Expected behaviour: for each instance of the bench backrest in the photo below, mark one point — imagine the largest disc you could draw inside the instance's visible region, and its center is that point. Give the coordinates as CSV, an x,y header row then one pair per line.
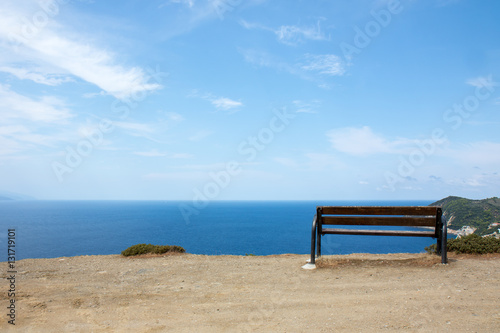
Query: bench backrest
x,y
405,216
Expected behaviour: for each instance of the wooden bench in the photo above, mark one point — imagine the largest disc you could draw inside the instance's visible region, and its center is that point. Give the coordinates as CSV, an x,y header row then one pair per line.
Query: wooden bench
x,y
405,216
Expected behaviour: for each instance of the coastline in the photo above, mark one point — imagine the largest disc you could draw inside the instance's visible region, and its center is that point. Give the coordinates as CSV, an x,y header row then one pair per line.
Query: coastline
x,y
185,293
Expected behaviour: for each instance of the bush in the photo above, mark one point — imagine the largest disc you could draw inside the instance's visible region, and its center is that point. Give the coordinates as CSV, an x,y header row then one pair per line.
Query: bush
x,y
138,249
472,244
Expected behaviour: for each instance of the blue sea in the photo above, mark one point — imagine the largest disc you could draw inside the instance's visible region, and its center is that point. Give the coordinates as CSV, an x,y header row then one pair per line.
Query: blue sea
x,y
51,229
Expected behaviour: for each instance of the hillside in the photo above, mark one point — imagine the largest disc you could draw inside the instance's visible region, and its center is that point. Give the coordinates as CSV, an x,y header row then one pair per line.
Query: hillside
x,y
480,214
10,196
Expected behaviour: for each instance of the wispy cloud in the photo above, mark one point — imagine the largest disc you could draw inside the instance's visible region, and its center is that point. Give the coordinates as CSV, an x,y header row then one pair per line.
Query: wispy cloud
x,y
291,34
220,103
25,136
198,136
191,14
46,109
483,153
156,153
224,103
134,127
151,131
264,59
38,77
70,53
363,141
311,68
482,81
189,3
328,64
306,107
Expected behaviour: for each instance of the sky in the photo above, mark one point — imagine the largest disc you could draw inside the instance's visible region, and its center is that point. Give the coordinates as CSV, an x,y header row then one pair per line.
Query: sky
x,y
206,100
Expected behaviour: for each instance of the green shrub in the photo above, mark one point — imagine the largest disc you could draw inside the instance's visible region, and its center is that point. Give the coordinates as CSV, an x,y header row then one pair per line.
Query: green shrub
x,y
138,249
472,244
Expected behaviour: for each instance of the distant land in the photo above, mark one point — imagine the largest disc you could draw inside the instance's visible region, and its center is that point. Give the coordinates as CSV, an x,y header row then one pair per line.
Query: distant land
x,y
481,215
10,196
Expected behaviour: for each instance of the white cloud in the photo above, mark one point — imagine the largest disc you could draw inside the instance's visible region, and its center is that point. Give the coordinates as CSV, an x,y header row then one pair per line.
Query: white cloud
x,y
146,131
482,81
328,64
306,107
224,103
94,66
221,103
194,13
264,59
16,139
312,68
358,141
291,34
46,109
477,180
38,77
363,141
482,154
51,44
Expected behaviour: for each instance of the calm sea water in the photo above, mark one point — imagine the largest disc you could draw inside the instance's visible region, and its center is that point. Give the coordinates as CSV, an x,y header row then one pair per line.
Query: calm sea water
x,y
51,229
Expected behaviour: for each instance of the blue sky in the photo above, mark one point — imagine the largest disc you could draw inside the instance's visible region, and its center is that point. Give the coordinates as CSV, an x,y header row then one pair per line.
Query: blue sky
x,y
238,100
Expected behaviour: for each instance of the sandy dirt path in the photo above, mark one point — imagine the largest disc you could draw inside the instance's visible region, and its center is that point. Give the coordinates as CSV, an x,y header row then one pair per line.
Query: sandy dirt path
x,y
194,293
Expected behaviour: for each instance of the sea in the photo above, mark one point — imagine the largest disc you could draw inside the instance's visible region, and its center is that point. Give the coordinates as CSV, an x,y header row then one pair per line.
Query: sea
x,y
52,229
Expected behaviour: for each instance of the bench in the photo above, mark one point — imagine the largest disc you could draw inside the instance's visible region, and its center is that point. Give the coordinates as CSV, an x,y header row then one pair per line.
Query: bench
x,y
404,216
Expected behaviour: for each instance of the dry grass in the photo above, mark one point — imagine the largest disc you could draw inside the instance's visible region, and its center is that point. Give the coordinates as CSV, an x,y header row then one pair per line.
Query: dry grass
x,y
366,260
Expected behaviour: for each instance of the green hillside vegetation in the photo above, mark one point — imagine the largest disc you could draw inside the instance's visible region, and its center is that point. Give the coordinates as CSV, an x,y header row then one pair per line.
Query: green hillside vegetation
x,y
479,214
470,244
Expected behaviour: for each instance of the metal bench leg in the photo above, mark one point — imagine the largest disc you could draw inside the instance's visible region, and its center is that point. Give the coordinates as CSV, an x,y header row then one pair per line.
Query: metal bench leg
x,y
318,247
444,240
314,232
313,239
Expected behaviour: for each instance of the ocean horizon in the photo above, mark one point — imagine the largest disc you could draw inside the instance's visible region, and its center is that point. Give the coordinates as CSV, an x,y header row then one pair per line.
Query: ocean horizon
x,y
52,229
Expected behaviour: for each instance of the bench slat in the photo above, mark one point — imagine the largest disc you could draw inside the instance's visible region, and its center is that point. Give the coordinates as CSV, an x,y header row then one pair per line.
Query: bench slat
x,y
379,232
383,210
380,220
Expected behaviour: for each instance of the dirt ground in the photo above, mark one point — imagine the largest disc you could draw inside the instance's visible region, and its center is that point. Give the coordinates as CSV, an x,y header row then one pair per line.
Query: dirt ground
x,y
195,293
